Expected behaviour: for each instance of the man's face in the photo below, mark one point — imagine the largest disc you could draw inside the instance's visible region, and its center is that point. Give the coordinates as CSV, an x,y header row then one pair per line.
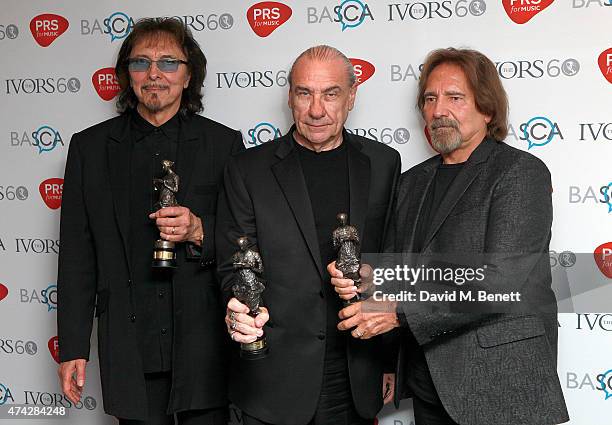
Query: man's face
x,y
450,110
320,99
158,91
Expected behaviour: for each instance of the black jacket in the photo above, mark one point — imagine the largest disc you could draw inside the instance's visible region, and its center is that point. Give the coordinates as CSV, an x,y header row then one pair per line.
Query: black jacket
x,y
266,199
94,267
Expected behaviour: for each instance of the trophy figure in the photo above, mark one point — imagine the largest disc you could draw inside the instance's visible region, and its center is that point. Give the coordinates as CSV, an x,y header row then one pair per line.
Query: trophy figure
x,y
346,241
164,254
247,289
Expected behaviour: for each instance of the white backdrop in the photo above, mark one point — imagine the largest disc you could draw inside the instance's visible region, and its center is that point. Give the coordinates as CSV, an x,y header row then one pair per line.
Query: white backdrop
x,y
555,61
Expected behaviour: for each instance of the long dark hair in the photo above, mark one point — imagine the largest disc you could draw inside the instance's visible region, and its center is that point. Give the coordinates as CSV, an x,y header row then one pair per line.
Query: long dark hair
x,y
191,100
489,93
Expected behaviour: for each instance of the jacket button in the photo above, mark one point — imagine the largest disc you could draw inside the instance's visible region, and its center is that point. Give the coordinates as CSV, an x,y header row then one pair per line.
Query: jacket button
x,y
132,318
321,336
164,331
129,282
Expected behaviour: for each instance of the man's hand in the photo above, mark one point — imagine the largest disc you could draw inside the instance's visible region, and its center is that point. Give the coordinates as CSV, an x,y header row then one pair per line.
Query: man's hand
x,y
345,288
368,318
388,387
242,327
72,378
178,224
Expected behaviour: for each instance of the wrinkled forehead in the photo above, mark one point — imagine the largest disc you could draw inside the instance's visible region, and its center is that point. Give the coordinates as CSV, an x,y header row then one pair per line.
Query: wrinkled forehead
x,y
161,41
332,71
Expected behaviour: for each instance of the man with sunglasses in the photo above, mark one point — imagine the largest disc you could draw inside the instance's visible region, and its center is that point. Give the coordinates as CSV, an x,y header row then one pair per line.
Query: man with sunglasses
x,y
160,332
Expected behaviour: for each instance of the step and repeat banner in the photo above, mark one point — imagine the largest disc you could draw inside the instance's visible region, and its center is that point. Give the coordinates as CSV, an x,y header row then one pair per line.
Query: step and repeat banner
x,y
57,77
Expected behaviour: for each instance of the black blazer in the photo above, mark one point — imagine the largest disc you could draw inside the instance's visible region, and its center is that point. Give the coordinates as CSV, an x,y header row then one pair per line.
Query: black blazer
x,y
488,368
94,267
266,199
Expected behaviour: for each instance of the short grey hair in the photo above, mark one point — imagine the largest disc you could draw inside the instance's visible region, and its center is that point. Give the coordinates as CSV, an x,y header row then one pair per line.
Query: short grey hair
x,y
325,53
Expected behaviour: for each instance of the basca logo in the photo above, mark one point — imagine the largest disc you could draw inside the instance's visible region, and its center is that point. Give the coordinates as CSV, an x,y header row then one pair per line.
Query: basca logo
x,y
552,68
386,135
605,64
45,139
47,296
9,31
537,131
349,14
596,131
47,27
211,22
11,346
118,25
603,259
37,246
53,345
363,70
402,74
251,79
42,85
51,192
577,4
521,11
11,193
3,292
265,17
599,195
106,83
262,133
5,394
436,9
591,321
599,382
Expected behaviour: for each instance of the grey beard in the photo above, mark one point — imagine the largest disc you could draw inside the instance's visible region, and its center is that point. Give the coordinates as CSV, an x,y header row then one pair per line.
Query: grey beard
x,y
446,143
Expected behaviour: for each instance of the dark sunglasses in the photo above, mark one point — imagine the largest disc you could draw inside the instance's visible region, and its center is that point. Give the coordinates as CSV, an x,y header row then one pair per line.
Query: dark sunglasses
x,y
164,65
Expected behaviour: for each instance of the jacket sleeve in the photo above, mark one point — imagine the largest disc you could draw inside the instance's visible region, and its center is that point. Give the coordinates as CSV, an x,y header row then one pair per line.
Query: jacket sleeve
x,y
515,250
206,254
235,218
77,276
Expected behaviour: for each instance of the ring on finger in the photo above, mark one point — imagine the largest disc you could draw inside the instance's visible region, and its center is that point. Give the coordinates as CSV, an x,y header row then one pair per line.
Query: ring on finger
x,y
232,335
233,325
358,333
232,316
173,229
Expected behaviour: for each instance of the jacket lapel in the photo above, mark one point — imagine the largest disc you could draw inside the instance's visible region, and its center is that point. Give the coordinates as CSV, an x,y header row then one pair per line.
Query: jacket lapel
x,y
189,144
420,189
458,187
359,182
290,178
119,156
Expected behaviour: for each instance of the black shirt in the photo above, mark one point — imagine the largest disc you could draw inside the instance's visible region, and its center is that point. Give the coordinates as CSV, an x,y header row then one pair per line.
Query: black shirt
x,y
419,378
152,287
326,176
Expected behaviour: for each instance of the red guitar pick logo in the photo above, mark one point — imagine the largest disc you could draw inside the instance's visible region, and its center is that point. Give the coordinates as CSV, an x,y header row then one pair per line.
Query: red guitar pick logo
x,y
605,64
106,83
51,192
363,70
47,27
521,11
53,345
266,16
603,258
3,292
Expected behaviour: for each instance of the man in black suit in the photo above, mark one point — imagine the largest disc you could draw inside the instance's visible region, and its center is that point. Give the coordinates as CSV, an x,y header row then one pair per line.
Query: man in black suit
x,y
285,196
161,342
480,198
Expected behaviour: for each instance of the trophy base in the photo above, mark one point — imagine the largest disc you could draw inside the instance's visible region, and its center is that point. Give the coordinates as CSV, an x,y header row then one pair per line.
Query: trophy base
x,y
164,255
164,264
254,350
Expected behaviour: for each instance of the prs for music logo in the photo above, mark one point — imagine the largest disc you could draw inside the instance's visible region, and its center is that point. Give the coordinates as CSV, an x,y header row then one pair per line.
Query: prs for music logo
x,y
521,11
51,192
363,70
47,27
106,83
265,17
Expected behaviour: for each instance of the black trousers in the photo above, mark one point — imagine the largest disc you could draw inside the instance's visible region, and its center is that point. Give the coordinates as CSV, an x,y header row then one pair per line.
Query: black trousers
x,y
158,394
335,406
426,413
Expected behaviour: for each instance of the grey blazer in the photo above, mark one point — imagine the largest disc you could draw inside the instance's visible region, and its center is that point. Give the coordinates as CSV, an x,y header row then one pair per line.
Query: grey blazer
x,y
487,368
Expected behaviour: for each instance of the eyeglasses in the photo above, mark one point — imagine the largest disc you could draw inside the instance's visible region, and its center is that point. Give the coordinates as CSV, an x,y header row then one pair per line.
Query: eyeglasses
x,y
164,65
